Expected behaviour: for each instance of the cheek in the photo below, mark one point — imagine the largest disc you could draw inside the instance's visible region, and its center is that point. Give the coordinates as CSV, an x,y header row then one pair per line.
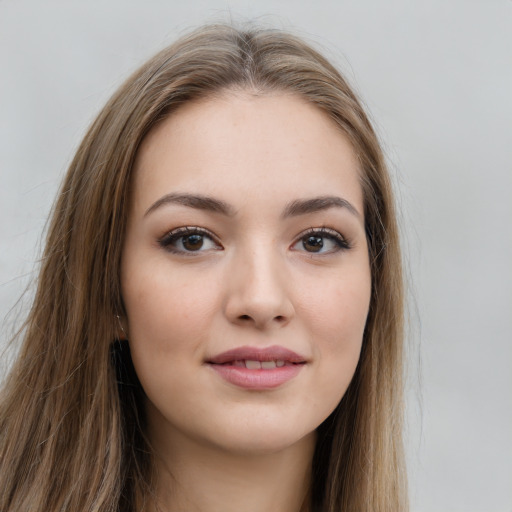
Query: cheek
x,y
338,310
346,314
337,322
167,324
167,315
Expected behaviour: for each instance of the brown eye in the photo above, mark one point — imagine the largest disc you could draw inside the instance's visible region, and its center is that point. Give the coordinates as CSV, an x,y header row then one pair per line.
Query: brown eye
x,y
321,241
313,243
189,240
192,242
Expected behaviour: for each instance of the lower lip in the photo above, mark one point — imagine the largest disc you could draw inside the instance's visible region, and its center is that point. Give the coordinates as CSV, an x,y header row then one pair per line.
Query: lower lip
x,y
257,379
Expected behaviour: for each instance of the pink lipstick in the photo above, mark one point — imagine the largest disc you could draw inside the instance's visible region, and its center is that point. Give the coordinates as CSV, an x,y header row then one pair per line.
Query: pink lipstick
x,y
257,368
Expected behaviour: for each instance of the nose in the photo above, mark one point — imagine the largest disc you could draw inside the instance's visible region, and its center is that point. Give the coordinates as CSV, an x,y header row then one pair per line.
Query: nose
x,y
258,293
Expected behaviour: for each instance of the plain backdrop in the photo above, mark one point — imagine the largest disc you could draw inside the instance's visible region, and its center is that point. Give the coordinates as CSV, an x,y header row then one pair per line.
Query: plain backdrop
x,y
436,77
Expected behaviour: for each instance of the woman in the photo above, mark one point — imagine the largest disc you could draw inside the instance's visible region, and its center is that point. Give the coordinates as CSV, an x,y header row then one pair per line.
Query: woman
x,y
218,319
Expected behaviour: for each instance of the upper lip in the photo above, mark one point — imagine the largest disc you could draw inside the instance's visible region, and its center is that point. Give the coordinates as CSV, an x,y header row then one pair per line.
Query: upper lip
x,y
273,353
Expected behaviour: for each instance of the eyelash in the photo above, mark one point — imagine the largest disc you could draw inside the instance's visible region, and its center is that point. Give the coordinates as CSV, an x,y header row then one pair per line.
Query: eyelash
x,y
167,241
175,235
342,243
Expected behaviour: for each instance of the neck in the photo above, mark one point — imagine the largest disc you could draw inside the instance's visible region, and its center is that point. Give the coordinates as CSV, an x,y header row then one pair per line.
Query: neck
x,y
199,478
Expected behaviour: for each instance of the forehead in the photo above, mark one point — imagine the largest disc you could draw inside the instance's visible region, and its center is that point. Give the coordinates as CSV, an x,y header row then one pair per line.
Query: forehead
x,y
244,145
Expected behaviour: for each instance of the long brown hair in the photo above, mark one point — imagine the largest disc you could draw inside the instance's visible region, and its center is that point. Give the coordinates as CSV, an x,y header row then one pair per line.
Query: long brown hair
x,y
71,421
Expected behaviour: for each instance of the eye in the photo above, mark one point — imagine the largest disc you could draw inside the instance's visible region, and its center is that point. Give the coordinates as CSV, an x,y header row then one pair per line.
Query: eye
x,y
321,241
189,240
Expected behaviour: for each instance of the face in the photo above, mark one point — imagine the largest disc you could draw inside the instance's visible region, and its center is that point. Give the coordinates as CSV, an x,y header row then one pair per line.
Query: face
x,y
245,272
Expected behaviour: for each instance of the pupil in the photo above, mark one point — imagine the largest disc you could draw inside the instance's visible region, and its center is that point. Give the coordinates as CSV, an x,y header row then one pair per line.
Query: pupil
x,y
313,243
193,242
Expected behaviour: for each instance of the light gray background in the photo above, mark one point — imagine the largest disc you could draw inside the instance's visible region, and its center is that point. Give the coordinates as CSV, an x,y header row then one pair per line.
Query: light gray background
x,y
436,76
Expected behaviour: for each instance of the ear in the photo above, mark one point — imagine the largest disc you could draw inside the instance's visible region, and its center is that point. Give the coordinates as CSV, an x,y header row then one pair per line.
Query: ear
x,y
121,328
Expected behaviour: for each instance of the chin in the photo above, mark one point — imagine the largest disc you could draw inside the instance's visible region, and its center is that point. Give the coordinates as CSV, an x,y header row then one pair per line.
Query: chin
x,y
262,439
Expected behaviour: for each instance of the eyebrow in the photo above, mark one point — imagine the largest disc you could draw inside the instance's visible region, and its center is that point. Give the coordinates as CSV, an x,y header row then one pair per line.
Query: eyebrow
x,y
317,204
198,202
293,209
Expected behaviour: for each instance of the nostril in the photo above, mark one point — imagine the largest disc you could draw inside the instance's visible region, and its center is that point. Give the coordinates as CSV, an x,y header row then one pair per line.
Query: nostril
x,y
245,317
280,318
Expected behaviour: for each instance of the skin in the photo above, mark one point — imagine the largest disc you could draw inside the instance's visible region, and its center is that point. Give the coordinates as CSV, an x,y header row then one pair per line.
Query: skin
x,y
257,281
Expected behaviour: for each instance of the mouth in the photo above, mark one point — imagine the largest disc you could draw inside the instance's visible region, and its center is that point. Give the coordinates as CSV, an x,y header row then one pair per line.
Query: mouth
x,y
254,364
256,355
257,368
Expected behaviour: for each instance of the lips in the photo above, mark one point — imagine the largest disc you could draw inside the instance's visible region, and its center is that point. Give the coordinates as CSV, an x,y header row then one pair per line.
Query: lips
x,y
257,368
252,364
274,353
